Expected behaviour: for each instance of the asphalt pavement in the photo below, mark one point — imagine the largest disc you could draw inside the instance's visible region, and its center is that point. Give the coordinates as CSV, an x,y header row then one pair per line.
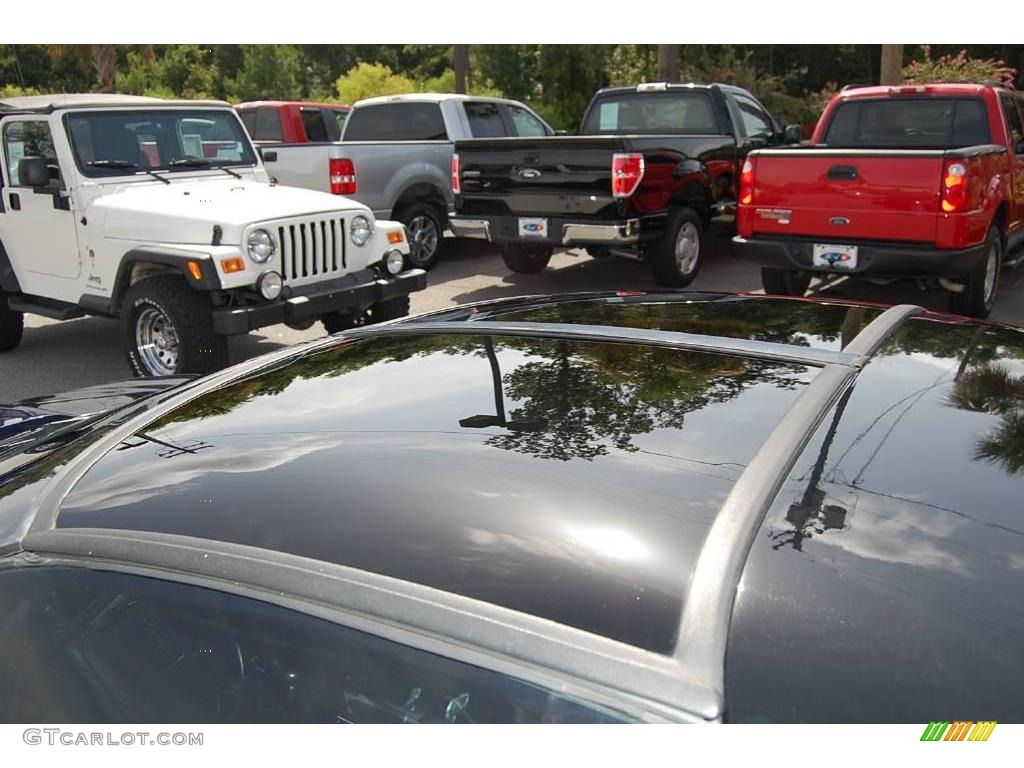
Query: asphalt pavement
x,y
58,356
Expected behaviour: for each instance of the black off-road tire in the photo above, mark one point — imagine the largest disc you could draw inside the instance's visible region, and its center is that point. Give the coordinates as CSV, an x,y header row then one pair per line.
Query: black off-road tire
x,y
190,315
424,224
389,309
526,259
12,325
979,294
785,282
671,266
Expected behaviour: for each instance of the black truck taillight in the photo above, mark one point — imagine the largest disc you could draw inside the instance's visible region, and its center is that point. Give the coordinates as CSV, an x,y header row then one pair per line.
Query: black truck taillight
x,y
627,172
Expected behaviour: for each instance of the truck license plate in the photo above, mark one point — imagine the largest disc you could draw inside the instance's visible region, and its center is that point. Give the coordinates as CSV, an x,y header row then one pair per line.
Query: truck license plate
x,y
838,257
533,227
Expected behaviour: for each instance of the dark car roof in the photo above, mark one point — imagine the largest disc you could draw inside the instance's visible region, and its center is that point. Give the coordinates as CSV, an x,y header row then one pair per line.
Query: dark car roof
x,y
588,509
601,463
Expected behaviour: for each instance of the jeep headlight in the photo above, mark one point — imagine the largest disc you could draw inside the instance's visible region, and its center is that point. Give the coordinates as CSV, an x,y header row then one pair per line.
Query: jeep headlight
x,y
360,230
394,261
260,246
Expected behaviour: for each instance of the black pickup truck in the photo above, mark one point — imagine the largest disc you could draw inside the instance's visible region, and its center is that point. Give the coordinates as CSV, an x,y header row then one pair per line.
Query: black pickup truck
x,y
652,165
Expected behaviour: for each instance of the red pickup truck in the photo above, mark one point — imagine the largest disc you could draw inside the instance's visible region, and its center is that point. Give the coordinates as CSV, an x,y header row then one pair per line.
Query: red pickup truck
x,y
293,122
919,181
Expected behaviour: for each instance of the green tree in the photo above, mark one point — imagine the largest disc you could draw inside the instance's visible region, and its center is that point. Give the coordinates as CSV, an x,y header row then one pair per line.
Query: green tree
x,y
366,80
629,64
512,69
189,71
267,72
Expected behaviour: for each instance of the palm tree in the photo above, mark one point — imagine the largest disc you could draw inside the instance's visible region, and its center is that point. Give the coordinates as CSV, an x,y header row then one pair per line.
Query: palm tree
x,y
991,388
102,59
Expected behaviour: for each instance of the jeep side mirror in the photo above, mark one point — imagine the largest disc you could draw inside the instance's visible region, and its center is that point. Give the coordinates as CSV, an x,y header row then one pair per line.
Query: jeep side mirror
x,y
32,172
791,134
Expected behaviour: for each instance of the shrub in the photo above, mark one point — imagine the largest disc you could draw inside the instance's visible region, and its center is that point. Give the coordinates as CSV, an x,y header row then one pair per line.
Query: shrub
x,y
957,69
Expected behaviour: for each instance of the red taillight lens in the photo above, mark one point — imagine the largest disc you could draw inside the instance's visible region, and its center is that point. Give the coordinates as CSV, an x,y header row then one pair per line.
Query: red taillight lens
x,y
747,183
343,176
954,187
627,171
456,182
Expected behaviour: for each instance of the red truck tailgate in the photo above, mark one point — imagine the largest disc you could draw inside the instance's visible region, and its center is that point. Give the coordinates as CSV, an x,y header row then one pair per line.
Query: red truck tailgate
x,y
848,194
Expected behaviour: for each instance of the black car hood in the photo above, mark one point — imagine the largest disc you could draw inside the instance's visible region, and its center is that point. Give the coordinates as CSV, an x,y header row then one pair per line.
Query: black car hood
x,y
29,420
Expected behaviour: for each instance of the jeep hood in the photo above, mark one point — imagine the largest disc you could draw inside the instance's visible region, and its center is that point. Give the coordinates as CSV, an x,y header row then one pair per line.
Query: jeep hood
x,y
186,211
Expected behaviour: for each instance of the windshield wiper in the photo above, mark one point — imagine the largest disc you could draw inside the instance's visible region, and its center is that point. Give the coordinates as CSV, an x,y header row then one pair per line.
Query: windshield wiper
x,y
126,164
195,162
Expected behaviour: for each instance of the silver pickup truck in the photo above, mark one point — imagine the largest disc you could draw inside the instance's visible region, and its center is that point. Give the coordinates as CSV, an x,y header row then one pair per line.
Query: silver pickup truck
x,y
395,156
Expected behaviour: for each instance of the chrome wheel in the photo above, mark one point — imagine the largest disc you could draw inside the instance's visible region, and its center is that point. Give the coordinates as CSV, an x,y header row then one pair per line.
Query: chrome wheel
x,y
157,342
687,248
423,237
991,269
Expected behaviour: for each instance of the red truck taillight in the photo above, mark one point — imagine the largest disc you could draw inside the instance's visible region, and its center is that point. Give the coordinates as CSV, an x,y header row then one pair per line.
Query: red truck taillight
x,y
343,176
456,182
747,182
954,187
627,172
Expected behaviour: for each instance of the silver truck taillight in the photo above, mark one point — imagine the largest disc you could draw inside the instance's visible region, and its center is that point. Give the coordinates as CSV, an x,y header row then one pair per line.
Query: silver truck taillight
x,y
343,176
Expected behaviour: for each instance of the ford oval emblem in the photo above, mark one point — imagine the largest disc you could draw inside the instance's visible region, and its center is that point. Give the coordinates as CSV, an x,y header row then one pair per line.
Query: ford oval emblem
x,y
839,221
835,257
529,173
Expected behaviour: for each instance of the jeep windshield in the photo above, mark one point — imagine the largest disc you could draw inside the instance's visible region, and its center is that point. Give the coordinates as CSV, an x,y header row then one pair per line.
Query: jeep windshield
x,y
118,143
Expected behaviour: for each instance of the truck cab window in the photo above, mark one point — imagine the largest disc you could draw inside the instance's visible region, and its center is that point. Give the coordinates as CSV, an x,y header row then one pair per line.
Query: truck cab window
x,y
335,119
30,138
83,645
895,123
526,124
268,126
313,124
670,112
756,123
485,120
1013,119
399,121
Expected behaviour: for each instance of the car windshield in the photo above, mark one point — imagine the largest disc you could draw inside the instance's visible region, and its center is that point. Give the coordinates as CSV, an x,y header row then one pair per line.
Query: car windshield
x,y
638,113
117,143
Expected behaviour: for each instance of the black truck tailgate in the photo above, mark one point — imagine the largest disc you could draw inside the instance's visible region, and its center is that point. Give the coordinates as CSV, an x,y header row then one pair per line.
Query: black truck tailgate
x,y
561,175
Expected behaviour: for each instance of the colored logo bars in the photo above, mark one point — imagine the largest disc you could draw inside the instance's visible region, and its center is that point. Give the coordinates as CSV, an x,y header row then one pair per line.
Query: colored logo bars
x,y
959,731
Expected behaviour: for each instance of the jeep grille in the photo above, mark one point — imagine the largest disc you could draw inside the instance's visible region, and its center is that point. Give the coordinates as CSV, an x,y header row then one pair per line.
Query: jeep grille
x,y
312,249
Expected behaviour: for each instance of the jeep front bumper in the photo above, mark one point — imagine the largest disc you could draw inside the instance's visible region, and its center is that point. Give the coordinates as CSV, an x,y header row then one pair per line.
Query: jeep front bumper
x,y
358,290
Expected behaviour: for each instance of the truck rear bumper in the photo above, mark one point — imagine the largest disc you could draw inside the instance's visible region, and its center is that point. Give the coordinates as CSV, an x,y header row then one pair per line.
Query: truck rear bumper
x,y
477,228
354,291
561,231
875,259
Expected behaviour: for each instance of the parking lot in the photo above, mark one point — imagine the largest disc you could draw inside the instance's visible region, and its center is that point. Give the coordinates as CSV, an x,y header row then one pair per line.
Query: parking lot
x,y
54,356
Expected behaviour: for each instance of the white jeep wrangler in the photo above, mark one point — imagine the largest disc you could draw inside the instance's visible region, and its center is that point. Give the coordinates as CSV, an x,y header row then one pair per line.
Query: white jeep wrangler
x,y
162,214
